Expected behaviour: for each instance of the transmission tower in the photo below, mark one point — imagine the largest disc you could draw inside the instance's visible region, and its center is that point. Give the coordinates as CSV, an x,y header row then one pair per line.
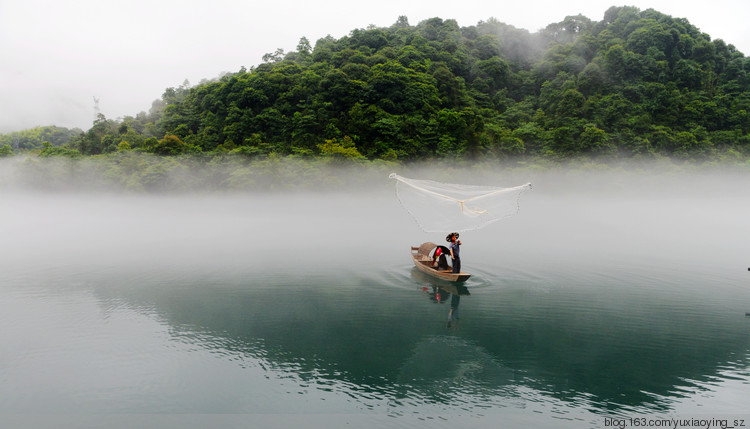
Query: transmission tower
x,y
97,112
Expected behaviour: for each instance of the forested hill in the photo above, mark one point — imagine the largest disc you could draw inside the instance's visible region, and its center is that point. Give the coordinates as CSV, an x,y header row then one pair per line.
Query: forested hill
x,y
637,83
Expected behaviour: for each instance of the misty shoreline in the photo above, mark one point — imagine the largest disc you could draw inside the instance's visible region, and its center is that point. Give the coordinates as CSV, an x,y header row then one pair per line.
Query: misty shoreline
x,y
134,173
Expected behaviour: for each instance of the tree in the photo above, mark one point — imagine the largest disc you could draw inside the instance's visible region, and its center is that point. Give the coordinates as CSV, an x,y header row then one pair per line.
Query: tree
x,y
6,151
171,145
593,139
274,57
402,22
340,150
303,47
50,151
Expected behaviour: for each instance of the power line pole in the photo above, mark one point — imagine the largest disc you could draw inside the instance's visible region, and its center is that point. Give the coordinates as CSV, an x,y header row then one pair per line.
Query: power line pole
x,y
97,112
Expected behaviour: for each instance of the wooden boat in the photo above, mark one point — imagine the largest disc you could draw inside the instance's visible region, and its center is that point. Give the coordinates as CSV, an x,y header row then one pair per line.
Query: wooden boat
x,y
423,261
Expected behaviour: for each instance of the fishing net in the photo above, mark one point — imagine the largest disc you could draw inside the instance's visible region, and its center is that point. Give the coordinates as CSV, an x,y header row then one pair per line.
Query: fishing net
x,y
441,207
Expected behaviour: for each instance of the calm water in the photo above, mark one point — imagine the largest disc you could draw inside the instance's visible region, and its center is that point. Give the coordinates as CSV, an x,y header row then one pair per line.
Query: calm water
x,y
305,310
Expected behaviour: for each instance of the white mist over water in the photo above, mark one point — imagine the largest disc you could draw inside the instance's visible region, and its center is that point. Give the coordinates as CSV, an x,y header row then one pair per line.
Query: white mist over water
x,y
660,230
591,221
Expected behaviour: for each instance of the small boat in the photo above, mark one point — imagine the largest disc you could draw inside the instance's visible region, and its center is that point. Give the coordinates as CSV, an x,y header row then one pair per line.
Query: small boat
x,y
423,261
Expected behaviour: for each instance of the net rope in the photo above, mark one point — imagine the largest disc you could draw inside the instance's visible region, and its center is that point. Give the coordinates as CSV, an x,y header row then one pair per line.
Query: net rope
x,y
440,207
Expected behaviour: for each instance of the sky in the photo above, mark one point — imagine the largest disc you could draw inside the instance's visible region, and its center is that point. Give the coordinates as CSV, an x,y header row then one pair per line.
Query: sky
x,y
58,56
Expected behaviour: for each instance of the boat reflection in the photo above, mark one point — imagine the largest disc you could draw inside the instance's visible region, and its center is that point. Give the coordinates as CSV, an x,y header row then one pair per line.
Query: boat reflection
x,y
441,292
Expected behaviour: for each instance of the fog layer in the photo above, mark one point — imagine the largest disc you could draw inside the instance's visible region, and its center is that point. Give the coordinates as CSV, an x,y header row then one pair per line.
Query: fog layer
x,y
591,220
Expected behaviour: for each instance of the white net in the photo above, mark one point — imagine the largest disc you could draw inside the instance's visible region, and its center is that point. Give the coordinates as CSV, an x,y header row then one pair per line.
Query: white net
x,y
441,207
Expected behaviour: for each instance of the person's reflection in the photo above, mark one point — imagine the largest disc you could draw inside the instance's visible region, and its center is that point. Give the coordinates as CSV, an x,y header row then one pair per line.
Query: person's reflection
x,y
437,295
453,312
442,294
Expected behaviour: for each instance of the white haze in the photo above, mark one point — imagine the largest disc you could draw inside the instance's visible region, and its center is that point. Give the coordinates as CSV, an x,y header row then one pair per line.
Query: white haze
x,y
56,56
672,226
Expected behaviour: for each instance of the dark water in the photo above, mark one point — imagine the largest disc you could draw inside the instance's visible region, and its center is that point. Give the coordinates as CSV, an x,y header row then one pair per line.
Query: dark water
x,y
305,310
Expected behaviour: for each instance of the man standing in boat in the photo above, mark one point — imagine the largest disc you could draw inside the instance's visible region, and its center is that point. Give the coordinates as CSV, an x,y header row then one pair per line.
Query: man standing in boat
x,y
454,245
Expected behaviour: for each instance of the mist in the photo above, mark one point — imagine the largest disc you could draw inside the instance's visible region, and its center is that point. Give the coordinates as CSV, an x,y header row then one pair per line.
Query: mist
x,y
597,221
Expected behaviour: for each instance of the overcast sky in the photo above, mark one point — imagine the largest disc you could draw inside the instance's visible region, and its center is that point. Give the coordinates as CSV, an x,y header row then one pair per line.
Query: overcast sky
x,y
57,55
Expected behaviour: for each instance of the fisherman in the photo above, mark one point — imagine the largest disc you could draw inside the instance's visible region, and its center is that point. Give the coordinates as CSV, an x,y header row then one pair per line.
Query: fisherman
x,y
440,256
454,245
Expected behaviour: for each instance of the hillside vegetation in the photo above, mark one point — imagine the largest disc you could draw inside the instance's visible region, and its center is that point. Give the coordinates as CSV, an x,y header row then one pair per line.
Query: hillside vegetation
x,y
637,84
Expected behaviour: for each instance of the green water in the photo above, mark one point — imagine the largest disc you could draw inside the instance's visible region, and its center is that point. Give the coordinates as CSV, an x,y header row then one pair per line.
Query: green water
x,y
306,311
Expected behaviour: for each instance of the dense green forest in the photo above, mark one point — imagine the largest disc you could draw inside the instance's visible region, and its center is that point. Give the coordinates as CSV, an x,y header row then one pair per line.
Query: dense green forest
x,y
637,84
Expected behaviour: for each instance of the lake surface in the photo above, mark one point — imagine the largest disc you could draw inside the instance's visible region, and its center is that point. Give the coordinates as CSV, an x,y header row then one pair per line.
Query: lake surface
x,y
605,299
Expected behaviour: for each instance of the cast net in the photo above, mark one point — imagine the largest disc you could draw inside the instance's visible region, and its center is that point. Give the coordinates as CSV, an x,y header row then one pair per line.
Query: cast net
x,y
441,207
